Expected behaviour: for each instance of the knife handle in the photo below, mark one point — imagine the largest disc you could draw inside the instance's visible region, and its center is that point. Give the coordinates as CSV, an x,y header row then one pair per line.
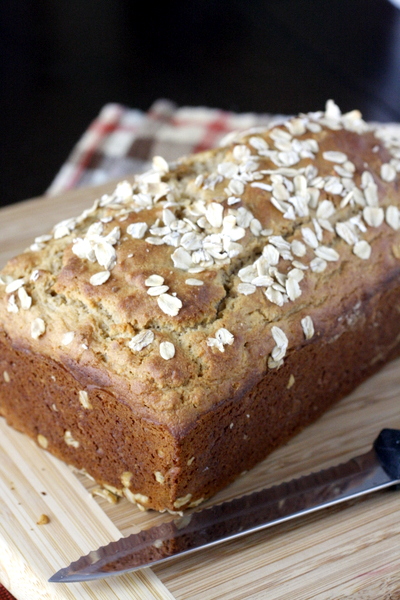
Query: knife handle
x,y
387,448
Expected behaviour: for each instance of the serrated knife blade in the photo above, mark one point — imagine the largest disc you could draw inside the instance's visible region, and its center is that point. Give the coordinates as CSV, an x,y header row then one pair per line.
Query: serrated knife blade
x,y
376,470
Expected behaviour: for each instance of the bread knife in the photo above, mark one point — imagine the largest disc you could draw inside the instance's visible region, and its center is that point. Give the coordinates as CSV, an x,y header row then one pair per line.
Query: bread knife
x,y
376,470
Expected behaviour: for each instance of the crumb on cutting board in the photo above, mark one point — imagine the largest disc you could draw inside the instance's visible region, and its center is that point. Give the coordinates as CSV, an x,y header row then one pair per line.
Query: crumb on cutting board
x,y
43,520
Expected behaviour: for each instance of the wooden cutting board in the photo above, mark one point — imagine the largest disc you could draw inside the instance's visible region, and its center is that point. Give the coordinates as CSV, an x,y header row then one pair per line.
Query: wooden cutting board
x,y
350,551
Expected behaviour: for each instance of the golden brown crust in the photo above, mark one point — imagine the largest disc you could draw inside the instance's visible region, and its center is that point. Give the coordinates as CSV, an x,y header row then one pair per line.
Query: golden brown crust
x,y
183,294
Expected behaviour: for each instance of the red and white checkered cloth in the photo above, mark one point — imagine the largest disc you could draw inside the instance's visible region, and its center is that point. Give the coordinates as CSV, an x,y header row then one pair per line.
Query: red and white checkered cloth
x,y
4,594
121,141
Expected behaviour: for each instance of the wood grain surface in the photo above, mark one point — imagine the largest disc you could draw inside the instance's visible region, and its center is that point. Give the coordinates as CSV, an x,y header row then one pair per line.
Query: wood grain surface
x,y
349,551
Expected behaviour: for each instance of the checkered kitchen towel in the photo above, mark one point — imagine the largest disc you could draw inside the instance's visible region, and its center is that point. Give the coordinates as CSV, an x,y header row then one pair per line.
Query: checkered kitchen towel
x,y
121,141
4,594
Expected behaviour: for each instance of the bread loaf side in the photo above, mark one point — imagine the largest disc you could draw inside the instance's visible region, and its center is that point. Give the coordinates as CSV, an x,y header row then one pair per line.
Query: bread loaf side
x,y
184,326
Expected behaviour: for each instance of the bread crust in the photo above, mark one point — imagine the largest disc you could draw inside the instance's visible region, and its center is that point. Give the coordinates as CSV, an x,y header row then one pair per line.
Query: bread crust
x,y
186,325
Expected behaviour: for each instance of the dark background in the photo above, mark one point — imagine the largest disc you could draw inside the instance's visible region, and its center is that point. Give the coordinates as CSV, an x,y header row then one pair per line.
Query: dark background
x,y
62,60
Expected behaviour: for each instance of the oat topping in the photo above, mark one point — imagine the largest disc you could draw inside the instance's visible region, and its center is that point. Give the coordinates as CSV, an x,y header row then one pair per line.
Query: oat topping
x,y
292,288
182,501
347,232
70,441
139,499
5,279
327,253
167,350
318,265
160,164
373,216
24,298
246,288
309,237
13,286
393,217
42,441
137,230
194,282
141,340
170,305
159,477
12,306
67,338
96,247
6,377
291,381
43,238
281,341
157,290
84,399
334,156
100,278
38,328
222,338
64,228
362,249
388,172
126,478
154,280
106,494
308,327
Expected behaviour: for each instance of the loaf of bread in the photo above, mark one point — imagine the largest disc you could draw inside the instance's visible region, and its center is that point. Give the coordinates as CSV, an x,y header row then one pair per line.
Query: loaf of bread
x,y
184,326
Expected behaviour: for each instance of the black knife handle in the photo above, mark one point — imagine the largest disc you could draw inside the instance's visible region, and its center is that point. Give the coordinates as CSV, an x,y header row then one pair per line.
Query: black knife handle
x,y
387,448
